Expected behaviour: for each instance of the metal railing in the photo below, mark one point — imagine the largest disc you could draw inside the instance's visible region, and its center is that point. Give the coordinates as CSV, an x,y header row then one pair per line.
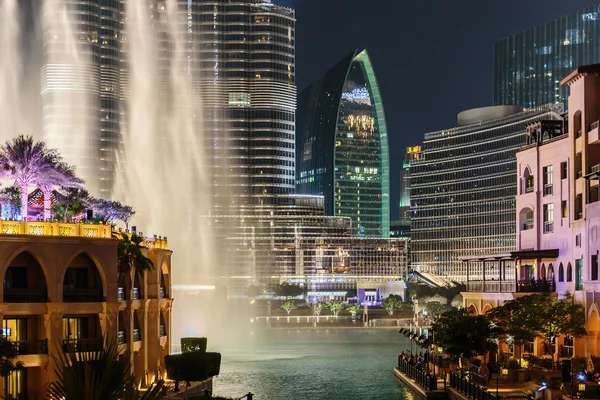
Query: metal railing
x,y
594,169
536,287
82,295
529,189
548,190
162,293
469,388
423,378
492,286
136,293
25,347
78,345
163,330
137,337
121,293
594,125
548,227
121,337
543,363
33,295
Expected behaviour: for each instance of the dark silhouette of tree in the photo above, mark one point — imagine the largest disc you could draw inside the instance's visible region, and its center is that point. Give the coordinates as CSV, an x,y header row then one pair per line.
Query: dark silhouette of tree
x,y
286,289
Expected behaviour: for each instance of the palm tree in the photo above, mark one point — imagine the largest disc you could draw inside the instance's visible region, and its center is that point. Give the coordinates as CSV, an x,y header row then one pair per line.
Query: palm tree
x,y
62,175
130,255
98,375
33,163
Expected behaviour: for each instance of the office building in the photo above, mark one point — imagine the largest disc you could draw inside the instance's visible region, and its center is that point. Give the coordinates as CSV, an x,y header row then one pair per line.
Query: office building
x,y
462,188
401,227
62,292
557,216
342,145
528,65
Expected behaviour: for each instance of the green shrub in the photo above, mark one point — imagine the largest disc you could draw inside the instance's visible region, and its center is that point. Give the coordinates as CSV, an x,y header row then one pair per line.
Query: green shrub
x,y
513,363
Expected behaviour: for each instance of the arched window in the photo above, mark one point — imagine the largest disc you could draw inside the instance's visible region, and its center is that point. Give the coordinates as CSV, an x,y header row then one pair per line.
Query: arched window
x,y
528,181
543,271
526,219
569,273
550,273
561,273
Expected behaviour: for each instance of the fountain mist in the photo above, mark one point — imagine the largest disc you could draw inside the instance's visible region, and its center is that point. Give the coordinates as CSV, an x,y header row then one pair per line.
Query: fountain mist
x,y
167,171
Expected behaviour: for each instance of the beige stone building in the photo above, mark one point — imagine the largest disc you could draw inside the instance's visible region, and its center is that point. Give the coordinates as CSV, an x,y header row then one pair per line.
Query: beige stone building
x,y
62,292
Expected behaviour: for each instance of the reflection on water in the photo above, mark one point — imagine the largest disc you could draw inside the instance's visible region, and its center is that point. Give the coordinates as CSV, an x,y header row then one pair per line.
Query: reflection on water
x,y
314,365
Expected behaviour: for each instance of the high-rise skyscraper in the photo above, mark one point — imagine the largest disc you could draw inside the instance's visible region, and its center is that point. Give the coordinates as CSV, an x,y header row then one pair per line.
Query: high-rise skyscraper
x,y
81,86
528,65
241,57
342,145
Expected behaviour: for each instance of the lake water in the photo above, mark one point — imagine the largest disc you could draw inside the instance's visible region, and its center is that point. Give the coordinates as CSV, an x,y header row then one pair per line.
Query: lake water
x,y
314,365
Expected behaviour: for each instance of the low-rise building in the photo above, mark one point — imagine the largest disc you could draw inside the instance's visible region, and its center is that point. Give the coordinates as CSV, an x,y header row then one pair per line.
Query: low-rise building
x,y
62,292
558,218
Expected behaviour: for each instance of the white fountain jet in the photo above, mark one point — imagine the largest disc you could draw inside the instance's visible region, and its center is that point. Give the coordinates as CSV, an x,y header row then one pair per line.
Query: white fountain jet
x,y
165,172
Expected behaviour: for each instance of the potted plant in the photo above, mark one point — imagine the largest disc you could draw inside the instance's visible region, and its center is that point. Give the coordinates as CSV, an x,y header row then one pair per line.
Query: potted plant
x,y
510,372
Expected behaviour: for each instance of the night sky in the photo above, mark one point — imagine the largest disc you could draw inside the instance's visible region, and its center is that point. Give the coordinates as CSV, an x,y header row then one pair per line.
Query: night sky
x,y
432,59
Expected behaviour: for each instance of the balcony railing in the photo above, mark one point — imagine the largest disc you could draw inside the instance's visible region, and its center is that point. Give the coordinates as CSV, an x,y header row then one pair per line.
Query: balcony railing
x,y
136,293
548,227
578,134
121,294
25,347
78,345
594,125
594,169
121,338
579,174
162,293
82,295
480,286
547,190
163,330
529,189
527,226
593,195
136,335
25,295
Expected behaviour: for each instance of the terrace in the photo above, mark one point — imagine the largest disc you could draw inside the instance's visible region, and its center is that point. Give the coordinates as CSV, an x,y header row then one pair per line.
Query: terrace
x,y
516,272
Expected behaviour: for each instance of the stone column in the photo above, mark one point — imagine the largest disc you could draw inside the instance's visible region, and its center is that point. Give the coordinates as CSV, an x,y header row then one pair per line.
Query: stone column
x,y
592,343
152,340
54,333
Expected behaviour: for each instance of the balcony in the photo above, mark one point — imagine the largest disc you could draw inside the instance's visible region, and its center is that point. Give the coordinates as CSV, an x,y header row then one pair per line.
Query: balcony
x,y
73,295
547,190
25,295
162,293
136,293
26,347
527,226
593,133
40,228
548,227
529,189
511,286
79,345
163,331
137,337
121,338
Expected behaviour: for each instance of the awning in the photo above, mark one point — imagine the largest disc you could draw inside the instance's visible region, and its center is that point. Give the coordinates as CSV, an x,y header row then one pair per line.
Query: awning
x,y
534,254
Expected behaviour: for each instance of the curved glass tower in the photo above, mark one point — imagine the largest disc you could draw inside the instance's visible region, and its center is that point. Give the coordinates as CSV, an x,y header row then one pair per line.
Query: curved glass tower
x,y
342,145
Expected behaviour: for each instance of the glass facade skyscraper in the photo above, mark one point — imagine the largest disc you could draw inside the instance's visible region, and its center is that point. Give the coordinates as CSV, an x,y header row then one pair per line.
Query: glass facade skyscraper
x,y
463,187
342,145
529,65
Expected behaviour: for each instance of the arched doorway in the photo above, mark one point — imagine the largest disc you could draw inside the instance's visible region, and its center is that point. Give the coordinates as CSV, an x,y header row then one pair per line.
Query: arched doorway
x,y
561,273
82,281
550,272
24,281
543,271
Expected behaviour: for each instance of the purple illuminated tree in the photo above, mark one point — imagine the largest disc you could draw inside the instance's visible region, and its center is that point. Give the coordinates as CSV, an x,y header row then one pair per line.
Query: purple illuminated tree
x,y
62,175
32,163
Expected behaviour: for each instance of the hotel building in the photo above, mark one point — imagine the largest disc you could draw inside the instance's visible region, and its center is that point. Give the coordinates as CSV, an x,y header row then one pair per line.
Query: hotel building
x,y
558,217
462,188
62,292
342,145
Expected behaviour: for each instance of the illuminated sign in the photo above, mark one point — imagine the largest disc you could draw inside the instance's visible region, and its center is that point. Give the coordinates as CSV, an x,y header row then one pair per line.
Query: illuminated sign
x,y
593,16
358,95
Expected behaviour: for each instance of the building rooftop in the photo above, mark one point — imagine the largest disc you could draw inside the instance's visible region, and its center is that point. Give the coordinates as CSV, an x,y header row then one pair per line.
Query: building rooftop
x,y
593,69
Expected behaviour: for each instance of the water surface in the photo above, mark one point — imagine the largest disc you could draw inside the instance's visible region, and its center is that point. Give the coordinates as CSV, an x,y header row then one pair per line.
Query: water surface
x,y
313,365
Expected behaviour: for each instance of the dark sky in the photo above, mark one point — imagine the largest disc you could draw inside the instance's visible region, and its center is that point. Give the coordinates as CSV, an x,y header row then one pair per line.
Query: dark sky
x,y
432,59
